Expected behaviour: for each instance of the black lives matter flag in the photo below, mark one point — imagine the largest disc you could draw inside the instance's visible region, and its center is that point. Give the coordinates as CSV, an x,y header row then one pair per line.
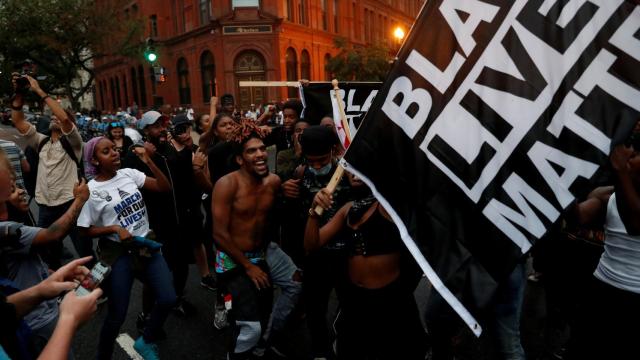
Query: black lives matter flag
x,y
357,97
495,117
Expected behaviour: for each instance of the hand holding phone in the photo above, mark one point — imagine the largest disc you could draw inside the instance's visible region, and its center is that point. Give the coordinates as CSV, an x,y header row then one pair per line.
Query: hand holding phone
x,y
98,273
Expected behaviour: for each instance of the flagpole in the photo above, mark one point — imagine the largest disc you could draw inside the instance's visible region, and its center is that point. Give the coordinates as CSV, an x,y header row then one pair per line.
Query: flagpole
x,y
337,175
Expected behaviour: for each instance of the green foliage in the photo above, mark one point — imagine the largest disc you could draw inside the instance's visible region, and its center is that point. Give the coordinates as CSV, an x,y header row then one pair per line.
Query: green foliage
x,y
363,63
63,37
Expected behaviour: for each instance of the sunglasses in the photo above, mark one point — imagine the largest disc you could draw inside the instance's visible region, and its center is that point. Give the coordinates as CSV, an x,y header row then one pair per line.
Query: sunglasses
x,y
116,124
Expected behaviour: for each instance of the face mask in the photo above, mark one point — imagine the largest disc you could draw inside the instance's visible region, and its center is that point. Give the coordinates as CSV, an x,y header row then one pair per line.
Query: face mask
x,y
322,171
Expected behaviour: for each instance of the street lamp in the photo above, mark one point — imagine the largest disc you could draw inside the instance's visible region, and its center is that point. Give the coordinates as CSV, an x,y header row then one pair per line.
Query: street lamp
x,y
398,33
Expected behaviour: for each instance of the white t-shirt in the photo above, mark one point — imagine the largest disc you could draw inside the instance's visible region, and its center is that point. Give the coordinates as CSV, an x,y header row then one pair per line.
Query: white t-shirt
x,y
619,264
117,202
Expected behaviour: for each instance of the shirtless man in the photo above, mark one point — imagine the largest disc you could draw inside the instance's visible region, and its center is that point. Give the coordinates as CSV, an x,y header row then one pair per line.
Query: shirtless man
x,y
241,204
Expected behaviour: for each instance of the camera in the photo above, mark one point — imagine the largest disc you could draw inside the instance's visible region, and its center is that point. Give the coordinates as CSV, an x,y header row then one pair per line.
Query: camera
x,y
27,67
10,234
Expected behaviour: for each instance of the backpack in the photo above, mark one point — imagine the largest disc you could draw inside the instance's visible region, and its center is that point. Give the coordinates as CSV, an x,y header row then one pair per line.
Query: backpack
x,y
66,145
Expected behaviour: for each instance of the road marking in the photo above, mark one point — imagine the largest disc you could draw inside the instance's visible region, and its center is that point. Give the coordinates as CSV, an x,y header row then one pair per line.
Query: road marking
x,y
126,343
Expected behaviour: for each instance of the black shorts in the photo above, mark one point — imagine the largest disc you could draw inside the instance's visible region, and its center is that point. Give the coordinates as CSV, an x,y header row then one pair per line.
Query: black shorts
x,y
248,303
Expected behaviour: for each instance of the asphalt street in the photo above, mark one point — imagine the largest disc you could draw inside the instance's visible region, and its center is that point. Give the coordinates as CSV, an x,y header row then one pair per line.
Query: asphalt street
x,y
194,337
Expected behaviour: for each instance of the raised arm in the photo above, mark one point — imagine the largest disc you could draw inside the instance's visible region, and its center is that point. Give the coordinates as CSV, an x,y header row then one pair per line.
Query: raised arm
x,y
17,116
213,107
205,138
159,182
65,122
627,196
314,236
61,227
200,171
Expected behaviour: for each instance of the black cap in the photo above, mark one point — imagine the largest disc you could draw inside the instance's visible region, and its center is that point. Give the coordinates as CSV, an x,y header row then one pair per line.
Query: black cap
x,y
318,140
180,119
226,99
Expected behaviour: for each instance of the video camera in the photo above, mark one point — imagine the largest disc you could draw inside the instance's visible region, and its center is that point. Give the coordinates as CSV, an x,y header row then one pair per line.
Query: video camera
x,y
22,83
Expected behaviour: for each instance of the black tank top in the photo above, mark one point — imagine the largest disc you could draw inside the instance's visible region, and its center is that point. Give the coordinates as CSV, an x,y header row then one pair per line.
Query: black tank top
x,y
376,236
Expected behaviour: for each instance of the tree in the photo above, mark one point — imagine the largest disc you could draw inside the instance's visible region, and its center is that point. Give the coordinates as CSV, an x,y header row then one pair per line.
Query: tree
x,y
62,37
362,63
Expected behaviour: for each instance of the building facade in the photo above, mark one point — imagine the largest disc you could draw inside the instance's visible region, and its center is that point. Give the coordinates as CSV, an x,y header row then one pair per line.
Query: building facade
x,y
208,46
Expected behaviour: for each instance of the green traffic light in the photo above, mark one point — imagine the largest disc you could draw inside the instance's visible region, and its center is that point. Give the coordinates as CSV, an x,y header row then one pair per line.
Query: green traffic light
x,y
152,57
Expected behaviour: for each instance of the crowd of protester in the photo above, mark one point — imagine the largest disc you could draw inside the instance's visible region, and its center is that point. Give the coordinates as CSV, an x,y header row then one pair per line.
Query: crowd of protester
x,y
149,193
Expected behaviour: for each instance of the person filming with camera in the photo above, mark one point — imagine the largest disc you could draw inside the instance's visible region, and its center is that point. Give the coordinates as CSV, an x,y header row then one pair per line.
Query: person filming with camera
x,y
58,163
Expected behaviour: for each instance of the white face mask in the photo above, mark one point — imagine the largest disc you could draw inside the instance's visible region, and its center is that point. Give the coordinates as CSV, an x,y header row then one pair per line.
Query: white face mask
x,y
322,171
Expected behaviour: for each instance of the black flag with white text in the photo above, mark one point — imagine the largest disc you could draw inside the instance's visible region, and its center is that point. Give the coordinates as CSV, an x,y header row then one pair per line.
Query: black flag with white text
x,y
495,117
319,101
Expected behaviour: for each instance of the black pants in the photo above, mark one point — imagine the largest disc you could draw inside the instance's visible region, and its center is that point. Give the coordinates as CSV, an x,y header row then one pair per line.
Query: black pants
x,y
607,327
377,324
324,271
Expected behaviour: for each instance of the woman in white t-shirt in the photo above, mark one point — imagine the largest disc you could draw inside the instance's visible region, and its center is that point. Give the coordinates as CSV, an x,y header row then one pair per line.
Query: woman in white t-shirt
x,y
116,213
607,326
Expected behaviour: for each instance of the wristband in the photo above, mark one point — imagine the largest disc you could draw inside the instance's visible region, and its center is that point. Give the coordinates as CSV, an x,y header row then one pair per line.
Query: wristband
x,y
312,213
44,98
16,108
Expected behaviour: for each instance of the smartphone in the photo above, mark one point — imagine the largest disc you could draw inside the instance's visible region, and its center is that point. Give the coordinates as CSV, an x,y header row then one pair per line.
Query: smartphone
x,y
93,279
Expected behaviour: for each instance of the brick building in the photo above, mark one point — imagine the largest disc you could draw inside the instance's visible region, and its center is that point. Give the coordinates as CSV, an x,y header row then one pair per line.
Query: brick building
x,y
207,46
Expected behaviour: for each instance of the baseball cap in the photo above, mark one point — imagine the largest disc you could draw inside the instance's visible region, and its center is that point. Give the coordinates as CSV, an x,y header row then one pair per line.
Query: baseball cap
x,y
149,118
180,119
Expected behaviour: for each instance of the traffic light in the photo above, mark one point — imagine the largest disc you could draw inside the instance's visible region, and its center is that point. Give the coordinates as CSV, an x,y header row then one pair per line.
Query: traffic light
x,y
150,51
160,73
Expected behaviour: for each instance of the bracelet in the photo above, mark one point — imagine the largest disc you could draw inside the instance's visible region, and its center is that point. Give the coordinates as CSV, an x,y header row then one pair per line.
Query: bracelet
x,y
44,98
16,108
312,213
199,167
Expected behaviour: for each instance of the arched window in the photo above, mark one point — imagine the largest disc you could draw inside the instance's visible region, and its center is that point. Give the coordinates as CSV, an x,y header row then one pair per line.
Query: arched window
x,y
134,86
327,73
118,98
184,91
126,91
305,65
112,85
292,69
208,76
103,95
143,87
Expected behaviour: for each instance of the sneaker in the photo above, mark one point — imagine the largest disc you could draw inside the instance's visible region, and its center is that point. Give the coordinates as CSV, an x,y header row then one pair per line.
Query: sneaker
x,y
209,282
184,308
141,322
148,351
